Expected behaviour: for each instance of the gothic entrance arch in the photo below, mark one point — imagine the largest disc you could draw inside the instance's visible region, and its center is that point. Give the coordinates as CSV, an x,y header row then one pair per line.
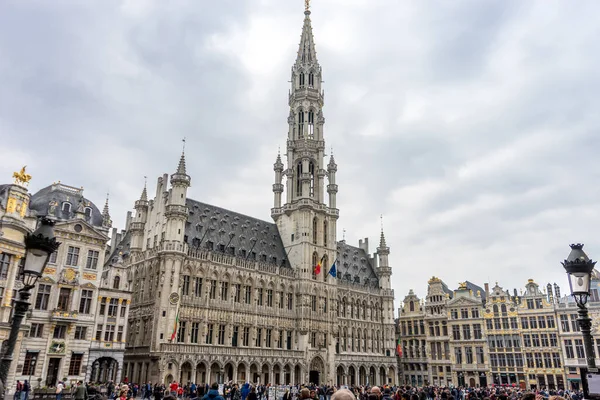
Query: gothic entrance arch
x,y
316,371
185,374
104,369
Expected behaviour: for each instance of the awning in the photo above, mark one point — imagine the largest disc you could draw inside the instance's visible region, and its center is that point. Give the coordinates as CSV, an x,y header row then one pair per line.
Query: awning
x,y
573,379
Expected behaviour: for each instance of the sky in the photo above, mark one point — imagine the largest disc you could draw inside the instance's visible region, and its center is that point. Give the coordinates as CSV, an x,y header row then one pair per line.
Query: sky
x,y
471,126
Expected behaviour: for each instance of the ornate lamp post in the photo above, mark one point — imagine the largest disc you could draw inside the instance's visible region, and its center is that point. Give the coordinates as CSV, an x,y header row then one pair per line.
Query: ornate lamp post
x,y
38,248
579,269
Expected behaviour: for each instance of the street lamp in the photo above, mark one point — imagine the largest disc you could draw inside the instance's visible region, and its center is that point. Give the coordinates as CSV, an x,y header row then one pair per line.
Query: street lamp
x,y
579,269
38,247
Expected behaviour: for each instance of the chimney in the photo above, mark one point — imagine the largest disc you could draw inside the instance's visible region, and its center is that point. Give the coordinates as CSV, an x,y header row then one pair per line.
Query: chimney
x,y
486,286
516,294
113,237
364,244
549,290
128,220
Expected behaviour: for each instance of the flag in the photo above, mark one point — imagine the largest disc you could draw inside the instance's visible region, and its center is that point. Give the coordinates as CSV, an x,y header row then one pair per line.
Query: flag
x,y
399,348
317,269
333,270
176,324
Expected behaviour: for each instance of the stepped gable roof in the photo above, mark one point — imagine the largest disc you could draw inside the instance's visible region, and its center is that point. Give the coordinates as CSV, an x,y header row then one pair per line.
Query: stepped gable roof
x,y
59,193
238,233
354,265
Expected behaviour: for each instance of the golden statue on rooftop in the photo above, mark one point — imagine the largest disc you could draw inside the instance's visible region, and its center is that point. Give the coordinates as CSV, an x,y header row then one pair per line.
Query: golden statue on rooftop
x,y
22,178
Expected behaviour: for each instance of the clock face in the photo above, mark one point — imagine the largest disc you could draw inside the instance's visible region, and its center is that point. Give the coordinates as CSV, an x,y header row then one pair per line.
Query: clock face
x,y
174,298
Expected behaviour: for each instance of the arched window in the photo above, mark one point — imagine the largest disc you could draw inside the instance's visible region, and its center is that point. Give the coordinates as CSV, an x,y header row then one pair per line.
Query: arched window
x,y
311,79
311,124
314,264
301,79
116,282
311,170
503,310
314,231
298,181
66,206
325,233
358,337
300,124
344,307
495,308
88,213
411,306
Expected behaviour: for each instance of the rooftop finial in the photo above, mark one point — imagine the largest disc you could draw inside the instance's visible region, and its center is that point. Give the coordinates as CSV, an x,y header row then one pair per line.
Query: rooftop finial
x,y
307,5
344,234
144,196
382,243
106,221
183,140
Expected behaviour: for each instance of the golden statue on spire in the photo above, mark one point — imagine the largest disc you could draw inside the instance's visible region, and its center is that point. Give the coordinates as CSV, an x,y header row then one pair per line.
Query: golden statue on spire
x,y
21,177
306,5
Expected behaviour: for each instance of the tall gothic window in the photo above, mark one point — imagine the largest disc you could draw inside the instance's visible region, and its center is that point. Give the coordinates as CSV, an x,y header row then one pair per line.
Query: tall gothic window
x,y
311,124
325,228
314,263
311,170
311,79
300,124
298,180
315,224
301,79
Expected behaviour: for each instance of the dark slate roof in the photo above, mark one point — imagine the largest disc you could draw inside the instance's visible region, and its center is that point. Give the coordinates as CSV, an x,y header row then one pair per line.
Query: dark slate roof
x,y
123,247
3,194
236,233
60,193
354,265
475,288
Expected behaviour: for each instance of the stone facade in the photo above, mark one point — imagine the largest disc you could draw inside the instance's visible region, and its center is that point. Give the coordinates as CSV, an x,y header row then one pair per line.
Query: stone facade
x,y
66,303
222,296
530,340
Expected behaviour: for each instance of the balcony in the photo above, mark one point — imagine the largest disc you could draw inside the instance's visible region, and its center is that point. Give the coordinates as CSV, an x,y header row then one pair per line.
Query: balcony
x,y
64,316
230,351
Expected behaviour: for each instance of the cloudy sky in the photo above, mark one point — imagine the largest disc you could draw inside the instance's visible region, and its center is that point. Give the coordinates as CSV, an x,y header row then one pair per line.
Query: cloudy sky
x,y
472,126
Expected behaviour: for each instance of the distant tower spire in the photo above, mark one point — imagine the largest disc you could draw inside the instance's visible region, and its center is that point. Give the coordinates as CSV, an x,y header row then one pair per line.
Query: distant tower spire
x,y
144,196
181,166
106,221
382,243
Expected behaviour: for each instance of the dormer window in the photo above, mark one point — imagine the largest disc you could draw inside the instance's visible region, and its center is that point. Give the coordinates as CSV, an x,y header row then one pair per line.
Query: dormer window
x,y
311,79
66,207
88,213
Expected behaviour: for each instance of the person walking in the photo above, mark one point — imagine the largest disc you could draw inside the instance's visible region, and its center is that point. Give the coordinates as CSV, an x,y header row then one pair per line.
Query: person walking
x,y
26,389
80,392
59,390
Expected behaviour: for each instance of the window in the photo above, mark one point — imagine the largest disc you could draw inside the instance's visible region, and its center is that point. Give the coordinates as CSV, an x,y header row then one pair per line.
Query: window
x,y
213,289
524,323
574,324
545,342
234,337
120,330
289,341
458,355
280,340
550,321
258,337
53,256
36,330
117,282
246,336
209,334
466,332
109,333
313,303
268,337
579,348
43,297
198,287
259,296
29,364
469,355
221,334
5,260
454,314
102,306
270,297
59,331
569,348
224,291
72,256
535,340
533,322
80,332
530,305
527,340
456,332
556,360
539,303
542,322
92,259
75,364
313,339
237,294
477,331
185,287
113,306
564,323
248,294
290,300
553,340
464,313
181,332
123,309
85,303
280,299
195,330
513,323
479,354
325,233
99,332
66,207
64,299
475,312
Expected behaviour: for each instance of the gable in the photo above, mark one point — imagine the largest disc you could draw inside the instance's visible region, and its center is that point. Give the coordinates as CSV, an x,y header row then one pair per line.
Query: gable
x,y
79,230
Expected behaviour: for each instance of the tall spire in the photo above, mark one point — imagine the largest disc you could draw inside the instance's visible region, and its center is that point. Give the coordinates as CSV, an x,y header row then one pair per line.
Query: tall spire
x,y
144,196
181,166
106,221
306,51
382,244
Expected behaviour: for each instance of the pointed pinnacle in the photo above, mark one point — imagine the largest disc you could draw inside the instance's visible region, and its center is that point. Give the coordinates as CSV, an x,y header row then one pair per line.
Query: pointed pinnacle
x,y
382,243
105,210
181,166
144,196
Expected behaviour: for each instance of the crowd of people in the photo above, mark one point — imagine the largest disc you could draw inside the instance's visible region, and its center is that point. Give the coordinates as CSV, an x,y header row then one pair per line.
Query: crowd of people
x,y
247,391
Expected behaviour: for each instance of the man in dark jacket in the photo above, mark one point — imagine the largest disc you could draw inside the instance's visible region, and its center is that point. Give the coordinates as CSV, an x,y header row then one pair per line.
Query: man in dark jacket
x,y
213,393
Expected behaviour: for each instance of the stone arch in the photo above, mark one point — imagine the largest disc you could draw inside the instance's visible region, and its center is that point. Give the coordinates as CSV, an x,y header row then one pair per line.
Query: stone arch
x,y
264,372
185,373
392,375
254,372
317,372
228,371
382,376
201,372
298,374
340,375
362,375
276,374
352,375
287,374
242,372
372,379
215,374
103,369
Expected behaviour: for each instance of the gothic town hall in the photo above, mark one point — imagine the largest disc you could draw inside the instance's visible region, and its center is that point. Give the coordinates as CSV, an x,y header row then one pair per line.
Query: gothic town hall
x,y
220,296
